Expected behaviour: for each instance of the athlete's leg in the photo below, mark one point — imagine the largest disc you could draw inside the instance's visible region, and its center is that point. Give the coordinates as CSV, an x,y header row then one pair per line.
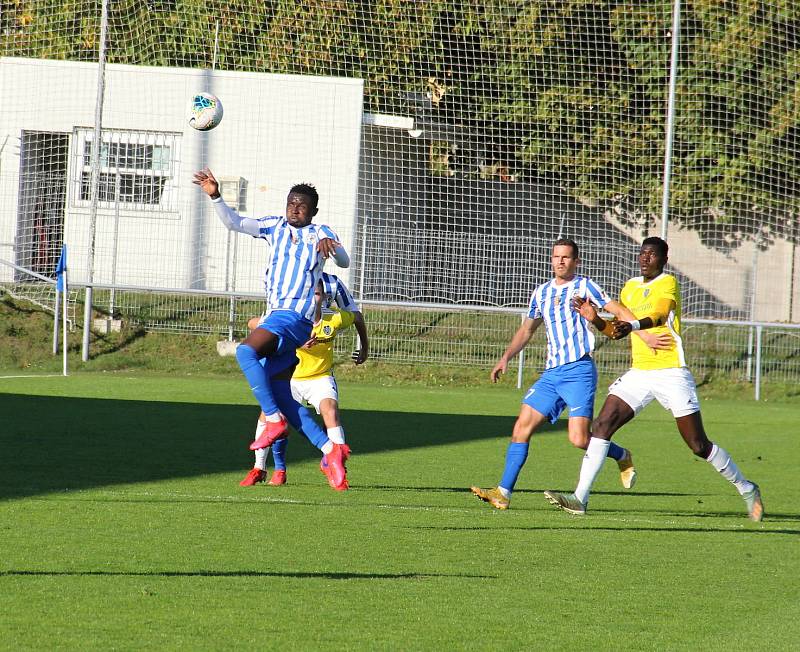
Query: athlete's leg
x,y
693,433
614,414
261,343
329,411
298,415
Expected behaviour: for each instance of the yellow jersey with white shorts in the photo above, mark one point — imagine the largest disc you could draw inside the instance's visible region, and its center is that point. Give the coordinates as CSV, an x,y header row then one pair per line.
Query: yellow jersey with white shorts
x,y
317,361
661,374
641,297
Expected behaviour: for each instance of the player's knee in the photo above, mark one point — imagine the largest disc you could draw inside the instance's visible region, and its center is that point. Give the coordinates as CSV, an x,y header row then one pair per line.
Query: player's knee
x,y
245,353
579,439
701,448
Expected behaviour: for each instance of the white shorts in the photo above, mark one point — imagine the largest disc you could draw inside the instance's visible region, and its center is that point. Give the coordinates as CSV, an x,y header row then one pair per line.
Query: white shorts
x,y
673,388
315,390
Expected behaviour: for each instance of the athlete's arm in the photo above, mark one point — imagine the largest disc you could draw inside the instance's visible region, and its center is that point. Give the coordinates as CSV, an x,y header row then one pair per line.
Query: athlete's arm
x,y
235,222
658,317
361,354
331,248
584,307
518,342
229,217
655,341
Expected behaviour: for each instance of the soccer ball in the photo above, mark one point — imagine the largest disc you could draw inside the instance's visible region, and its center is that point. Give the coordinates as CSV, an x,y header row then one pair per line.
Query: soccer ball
x,y
205,111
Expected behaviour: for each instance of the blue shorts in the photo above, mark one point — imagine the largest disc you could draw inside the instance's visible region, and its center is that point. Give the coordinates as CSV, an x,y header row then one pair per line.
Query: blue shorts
x,y
292,330
570,385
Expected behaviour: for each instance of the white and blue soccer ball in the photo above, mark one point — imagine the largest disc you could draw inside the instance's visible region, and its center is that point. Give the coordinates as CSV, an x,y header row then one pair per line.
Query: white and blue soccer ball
x,y
205,111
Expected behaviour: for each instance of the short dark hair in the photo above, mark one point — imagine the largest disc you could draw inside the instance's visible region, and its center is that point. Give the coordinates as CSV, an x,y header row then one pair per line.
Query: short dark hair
x,y
660,245
308,190
567,242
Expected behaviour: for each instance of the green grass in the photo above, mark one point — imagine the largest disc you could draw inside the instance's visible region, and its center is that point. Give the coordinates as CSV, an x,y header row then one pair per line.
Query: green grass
x,y
122,526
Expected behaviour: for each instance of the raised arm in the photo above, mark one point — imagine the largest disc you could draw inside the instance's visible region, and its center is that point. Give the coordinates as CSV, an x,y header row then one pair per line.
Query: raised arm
x,y
229,217
518,342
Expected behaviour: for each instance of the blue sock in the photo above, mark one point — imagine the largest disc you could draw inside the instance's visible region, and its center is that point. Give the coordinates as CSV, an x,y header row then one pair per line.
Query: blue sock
x,y
516,455
298,416
279,454
616,452
257,376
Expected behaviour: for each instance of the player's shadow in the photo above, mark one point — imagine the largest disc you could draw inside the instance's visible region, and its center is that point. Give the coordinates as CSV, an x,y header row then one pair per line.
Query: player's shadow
x,y
52,444
276,574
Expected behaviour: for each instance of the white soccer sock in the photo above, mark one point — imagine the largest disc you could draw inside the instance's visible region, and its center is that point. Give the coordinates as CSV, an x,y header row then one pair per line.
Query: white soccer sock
x,y
274,417
261,453
261,459
727,468
336,435
593,461
327,447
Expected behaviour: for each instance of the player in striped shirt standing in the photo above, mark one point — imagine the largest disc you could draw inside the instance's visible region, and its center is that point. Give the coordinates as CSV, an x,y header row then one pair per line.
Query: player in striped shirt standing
x,y
570,376
297,252
654,299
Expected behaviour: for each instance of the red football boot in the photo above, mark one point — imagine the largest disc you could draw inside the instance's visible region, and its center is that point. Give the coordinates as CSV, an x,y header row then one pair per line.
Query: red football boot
x,y
273,431
333,466
253,477
278,478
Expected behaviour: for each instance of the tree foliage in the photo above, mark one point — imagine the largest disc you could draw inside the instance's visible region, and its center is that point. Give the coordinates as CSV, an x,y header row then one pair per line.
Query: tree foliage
x,y
573,91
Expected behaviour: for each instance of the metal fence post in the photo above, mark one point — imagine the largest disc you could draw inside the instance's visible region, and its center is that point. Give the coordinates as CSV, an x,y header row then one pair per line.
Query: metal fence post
x,y
759,329
670,131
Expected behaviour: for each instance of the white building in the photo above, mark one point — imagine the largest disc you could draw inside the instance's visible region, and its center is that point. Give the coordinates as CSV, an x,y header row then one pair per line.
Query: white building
x,y
154,228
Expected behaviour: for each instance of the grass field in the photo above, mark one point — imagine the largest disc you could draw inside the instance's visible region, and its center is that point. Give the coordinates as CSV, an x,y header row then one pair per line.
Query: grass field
x,y
122,526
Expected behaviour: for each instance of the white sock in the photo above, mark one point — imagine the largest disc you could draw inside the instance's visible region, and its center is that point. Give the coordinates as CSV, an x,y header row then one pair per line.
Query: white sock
x,y
327,447
504,491
593,461
727,468
261,459
274,417
261,453
336,435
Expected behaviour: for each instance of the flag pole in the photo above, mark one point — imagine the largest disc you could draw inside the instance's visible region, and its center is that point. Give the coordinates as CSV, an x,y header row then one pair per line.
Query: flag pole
x,y
65,303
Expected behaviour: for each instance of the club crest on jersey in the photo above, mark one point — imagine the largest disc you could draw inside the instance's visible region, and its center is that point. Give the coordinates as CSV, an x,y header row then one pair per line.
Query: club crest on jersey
x,y
646,293
327,330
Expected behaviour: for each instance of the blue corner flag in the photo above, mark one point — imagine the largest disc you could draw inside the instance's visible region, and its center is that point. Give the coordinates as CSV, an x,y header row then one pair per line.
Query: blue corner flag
x,y
61,268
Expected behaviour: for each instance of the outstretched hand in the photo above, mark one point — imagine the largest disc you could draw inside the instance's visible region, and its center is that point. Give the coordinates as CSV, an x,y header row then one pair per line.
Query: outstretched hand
x,y
584,307
207,182
359,356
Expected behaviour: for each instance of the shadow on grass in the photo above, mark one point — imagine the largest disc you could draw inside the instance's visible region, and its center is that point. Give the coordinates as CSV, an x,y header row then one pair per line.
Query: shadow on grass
x,y
611,528
55,444
207,573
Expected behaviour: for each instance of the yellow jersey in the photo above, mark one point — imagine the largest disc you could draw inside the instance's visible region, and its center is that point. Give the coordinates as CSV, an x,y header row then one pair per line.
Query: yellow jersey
x,y
317,361
641,297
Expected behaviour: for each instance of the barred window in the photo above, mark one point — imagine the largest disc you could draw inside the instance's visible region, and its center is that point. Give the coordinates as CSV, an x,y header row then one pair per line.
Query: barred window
x,y
136,168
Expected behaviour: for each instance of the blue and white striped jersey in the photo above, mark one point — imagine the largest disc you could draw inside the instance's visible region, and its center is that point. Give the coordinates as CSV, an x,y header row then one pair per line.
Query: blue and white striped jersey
x,y
337,292
569,336
294,266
